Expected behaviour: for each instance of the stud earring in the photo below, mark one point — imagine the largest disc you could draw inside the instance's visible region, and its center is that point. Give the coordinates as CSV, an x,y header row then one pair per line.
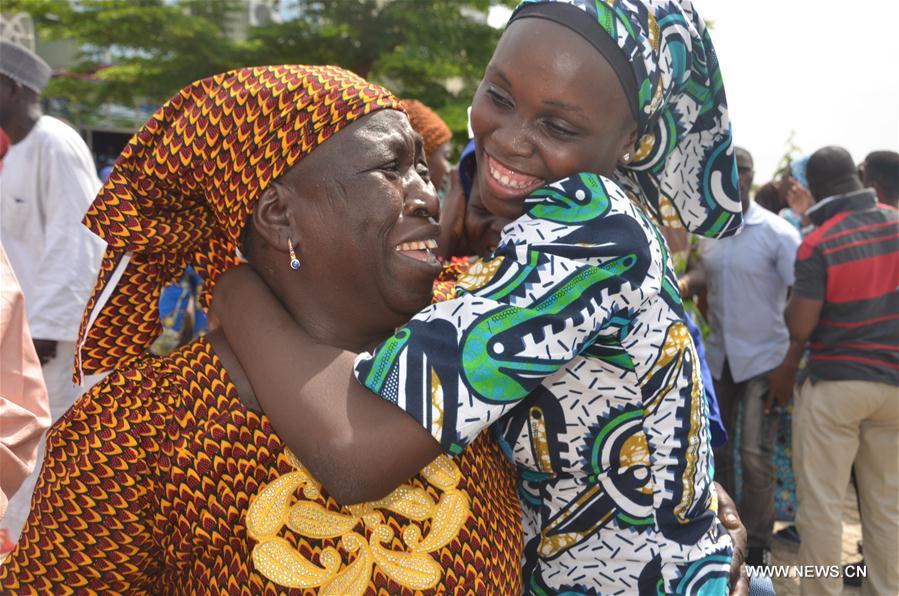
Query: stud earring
x,y
626,158
294,261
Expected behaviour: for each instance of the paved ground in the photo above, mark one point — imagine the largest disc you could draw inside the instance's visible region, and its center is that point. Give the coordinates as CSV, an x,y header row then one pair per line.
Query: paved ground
x,y
784,554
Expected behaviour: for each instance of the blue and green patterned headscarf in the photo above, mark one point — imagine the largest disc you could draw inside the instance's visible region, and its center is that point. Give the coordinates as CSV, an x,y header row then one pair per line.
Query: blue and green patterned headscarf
x,y
799,169
684,158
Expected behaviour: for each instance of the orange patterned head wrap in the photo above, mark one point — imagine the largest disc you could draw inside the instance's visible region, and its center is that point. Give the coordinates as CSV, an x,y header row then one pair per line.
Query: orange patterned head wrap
x,y
185,185
428,124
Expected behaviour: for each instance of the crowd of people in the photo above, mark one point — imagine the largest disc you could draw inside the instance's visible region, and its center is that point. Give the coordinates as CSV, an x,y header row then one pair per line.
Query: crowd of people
x,y
653,354
803,301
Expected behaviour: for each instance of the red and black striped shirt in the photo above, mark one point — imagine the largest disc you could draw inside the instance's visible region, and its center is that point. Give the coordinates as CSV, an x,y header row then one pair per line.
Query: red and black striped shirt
x,y
851,262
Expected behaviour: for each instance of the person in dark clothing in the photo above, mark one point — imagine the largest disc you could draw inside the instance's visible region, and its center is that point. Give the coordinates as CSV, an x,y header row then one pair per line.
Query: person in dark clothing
x,y
880,171
845,309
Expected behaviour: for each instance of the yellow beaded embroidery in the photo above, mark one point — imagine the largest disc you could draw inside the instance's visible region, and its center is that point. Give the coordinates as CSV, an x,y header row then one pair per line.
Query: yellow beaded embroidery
x,y
479,274
276,507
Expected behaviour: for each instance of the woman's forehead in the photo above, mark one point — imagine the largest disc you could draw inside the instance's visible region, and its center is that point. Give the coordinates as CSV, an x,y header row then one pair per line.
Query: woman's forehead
x,y
526,38
550,60
383,128
381,132
385,124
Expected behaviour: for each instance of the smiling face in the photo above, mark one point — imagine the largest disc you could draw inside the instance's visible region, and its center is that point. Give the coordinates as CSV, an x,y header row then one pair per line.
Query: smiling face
x,y
549,106
359,212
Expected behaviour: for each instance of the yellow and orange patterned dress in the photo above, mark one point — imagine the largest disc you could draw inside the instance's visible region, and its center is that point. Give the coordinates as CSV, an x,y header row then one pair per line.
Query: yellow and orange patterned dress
x,y
159,480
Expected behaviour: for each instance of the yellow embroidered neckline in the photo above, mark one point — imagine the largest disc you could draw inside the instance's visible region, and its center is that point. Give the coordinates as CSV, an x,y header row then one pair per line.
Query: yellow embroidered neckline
x,y
275,507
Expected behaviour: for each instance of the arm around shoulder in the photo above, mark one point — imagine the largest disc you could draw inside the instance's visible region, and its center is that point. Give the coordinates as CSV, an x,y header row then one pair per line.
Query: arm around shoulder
x,y
357,445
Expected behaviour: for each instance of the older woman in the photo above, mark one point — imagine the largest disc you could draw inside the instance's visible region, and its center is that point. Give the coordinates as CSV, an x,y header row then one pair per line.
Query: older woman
x,y
166,477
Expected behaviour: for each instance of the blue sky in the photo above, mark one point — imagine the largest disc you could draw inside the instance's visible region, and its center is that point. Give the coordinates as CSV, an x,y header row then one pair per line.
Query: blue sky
x,y
824,68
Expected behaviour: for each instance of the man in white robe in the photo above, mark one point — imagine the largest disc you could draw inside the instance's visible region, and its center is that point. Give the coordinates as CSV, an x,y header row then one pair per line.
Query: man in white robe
x,y
46,185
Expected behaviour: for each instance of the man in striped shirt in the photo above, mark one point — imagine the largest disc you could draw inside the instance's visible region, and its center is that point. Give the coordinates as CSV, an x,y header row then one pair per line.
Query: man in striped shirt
x,y
845,309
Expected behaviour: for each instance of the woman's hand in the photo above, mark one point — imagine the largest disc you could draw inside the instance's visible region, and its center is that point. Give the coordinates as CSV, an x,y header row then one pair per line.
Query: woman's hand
x,y
798,198
227,285
727,515
233,290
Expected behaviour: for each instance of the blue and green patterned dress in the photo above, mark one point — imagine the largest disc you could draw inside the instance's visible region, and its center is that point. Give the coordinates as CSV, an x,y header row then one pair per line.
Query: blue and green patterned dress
x,y
571,343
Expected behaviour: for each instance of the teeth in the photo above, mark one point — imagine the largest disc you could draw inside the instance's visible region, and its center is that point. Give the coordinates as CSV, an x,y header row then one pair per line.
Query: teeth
x,y
506,181
417,245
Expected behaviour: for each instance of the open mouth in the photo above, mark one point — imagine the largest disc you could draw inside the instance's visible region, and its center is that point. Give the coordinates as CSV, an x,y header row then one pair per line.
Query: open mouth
x,y
508,183
420,250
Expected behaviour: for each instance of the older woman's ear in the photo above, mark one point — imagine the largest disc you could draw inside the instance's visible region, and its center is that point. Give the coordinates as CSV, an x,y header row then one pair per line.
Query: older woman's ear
x,y
272,221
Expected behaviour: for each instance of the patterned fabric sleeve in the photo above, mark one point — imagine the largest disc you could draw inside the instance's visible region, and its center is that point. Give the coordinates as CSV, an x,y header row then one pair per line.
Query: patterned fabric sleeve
x,y
92,517
579,255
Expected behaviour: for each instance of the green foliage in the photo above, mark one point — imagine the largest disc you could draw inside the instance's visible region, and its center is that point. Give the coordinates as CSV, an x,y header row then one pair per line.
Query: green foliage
x,y
145,50
791,151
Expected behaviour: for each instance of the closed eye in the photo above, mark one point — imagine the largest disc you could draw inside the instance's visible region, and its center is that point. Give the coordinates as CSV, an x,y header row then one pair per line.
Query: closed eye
x,y
559,130
498,98
391,168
